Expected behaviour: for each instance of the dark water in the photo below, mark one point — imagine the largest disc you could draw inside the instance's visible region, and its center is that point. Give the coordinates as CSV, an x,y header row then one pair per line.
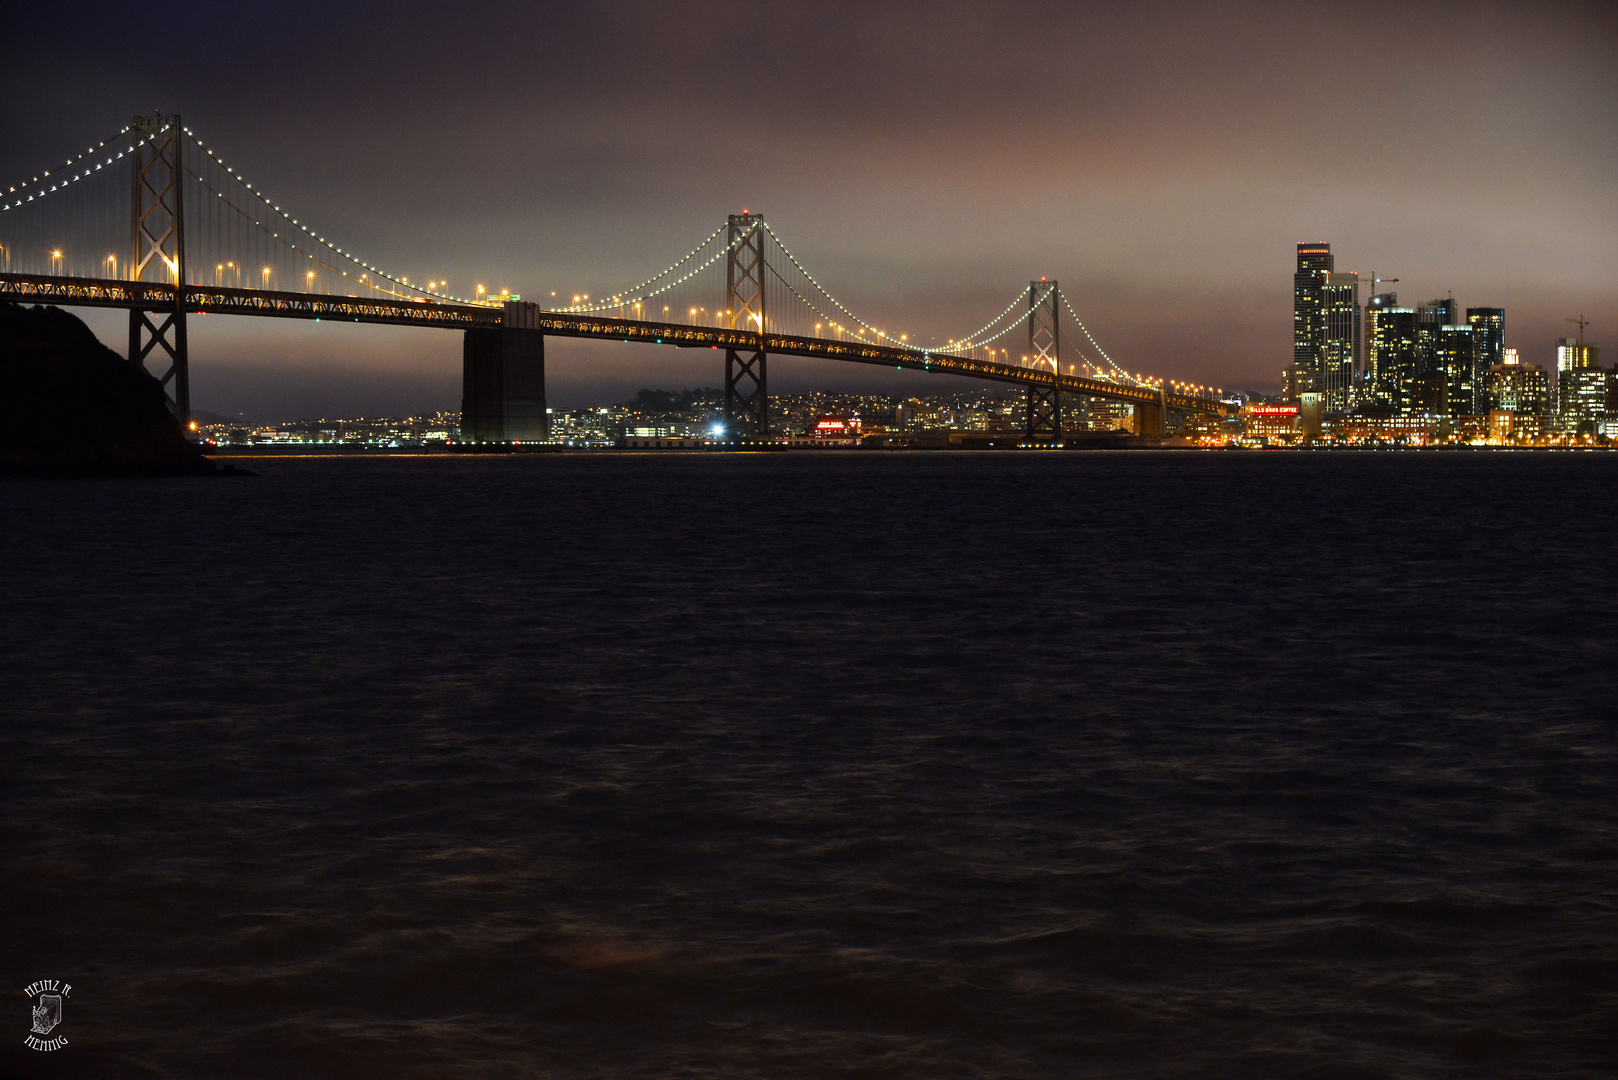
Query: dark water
x,y
1128,765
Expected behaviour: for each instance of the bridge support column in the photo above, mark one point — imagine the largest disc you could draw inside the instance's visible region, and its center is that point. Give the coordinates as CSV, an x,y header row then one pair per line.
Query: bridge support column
x,y
164,332
157,251
1044,414
1149,419
503,383
747,395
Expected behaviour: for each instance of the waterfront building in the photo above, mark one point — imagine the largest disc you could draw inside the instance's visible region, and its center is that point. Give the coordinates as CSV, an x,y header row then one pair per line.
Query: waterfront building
x,y
1574,393
1276,421
1581,398
1402,430
1517,388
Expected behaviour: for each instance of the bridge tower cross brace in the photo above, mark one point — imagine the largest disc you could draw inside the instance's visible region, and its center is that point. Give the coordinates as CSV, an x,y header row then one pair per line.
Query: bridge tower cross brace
x,y
1044,403
747,401
157,252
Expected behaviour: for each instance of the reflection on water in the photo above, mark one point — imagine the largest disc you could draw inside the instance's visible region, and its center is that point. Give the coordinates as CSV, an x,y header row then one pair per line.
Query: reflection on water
x,y
799,765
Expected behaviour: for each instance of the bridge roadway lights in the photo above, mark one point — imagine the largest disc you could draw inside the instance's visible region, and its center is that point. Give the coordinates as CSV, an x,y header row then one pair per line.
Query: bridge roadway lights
x,y
503,386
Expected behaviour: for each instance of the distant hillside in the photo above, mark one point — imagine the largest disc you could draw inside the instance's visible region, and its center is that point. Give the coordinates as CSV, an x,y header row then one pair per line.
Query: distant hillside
x,y
70,406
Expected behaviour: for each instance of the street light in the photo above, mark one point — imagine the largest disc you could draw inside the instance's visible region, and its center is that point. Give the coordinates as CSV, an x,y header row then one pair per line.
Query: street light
x,y
56,261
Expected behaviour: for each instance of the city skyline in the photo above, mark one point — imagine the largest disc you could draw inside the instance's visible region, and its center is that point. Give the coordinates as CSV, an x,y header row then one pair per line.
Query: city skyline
x,y
922,199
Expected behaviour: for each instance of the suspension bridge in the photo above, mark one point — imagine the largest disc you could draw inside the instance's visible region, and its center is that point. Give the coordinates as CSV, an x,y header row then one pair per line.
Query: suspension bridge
x,y
154,222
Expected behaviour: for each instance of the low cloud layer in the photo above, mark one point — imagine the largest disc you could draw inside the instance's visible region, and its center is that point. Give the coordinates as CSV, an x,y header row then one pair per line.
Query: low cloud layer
x,y
922,158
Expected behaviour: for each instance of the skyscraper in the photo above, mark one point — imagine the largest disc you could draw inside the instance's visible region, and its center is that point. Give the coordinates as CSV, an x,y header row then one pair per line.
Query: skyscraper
x,y
1455,371
1581,385
1340,345
1375,375
1309,316
1393,342
1488,345
1489,335
1429,393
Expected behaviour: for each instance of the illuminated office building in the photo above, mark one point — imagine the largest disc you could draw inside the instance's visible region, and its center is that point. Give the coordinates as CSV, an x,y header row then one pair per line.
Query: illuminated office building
x,y
1392,341
1309,280
1374,373
1580,384
1488,335
1428,394
1340,343
1515,387
1454,372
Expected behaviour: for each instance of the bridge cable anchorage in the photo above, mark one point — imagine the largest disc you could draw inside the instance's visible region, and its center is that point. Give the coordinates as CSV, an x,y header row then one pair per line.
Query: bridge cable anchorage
x,y
261,197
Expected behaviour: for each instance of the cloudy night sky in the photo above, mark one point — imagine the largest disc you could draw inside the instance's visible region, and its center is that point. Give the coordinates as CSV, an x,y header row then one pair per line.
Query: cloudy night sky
x,y
924,160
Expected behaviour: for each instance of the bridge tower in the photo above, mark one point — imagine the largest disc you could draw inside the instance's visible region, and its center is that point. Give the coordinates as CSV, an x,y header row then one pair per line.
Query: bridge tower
x,y
157,252
747,402
1044,406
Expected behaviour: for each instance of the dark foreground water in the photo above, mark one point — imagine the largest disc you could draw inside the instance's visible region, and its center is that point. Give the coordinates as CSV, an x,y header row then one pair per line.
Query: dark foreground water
x,y
1113,765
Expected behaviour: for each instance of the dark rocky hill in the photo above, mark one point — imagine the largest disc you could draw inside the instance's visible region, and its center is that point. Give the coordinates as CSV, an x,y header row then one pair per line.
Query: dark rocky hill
x,y
70,406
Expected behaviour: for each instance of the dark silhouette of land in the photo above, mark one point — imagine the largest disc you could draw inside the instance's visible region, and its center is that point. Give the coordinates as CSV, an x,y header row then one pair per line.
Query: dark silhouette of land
x,y
70,406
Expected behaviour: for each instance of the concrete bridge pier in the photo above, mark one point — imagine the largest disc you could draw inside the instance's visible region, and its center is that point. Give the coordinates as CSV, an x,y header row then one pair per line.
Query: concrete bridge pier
x,y
503,380
1149,419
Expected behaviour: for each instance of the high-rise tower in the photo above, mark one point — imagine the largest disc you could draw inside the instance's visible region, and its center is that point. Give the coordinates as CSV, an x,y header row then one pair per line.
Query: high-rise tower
x,y
1431,394
1340,342
1309,316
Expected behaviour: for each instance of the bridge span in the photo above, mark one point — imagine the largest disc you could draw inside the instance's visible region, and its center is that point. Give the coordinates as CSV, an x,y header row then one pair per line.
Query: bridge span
x,y
767,304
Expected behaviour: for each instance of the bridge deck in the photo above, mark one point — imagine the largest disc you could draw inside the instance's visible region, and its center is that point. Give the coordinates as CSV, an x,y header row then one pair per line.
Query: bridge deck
x,y
152,296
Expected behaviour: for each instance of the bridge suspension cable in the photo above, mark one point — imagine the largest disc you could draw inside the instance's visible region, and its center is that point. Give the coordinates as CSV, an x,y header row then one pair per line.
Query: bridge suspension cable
x,y
74,162
629,296
369,269
1096,345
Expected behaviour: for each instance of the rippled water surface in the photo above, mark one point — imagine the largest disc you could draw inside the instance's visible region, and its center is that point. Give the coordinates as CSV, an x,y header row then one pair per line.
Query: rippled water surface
x,y
953,765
